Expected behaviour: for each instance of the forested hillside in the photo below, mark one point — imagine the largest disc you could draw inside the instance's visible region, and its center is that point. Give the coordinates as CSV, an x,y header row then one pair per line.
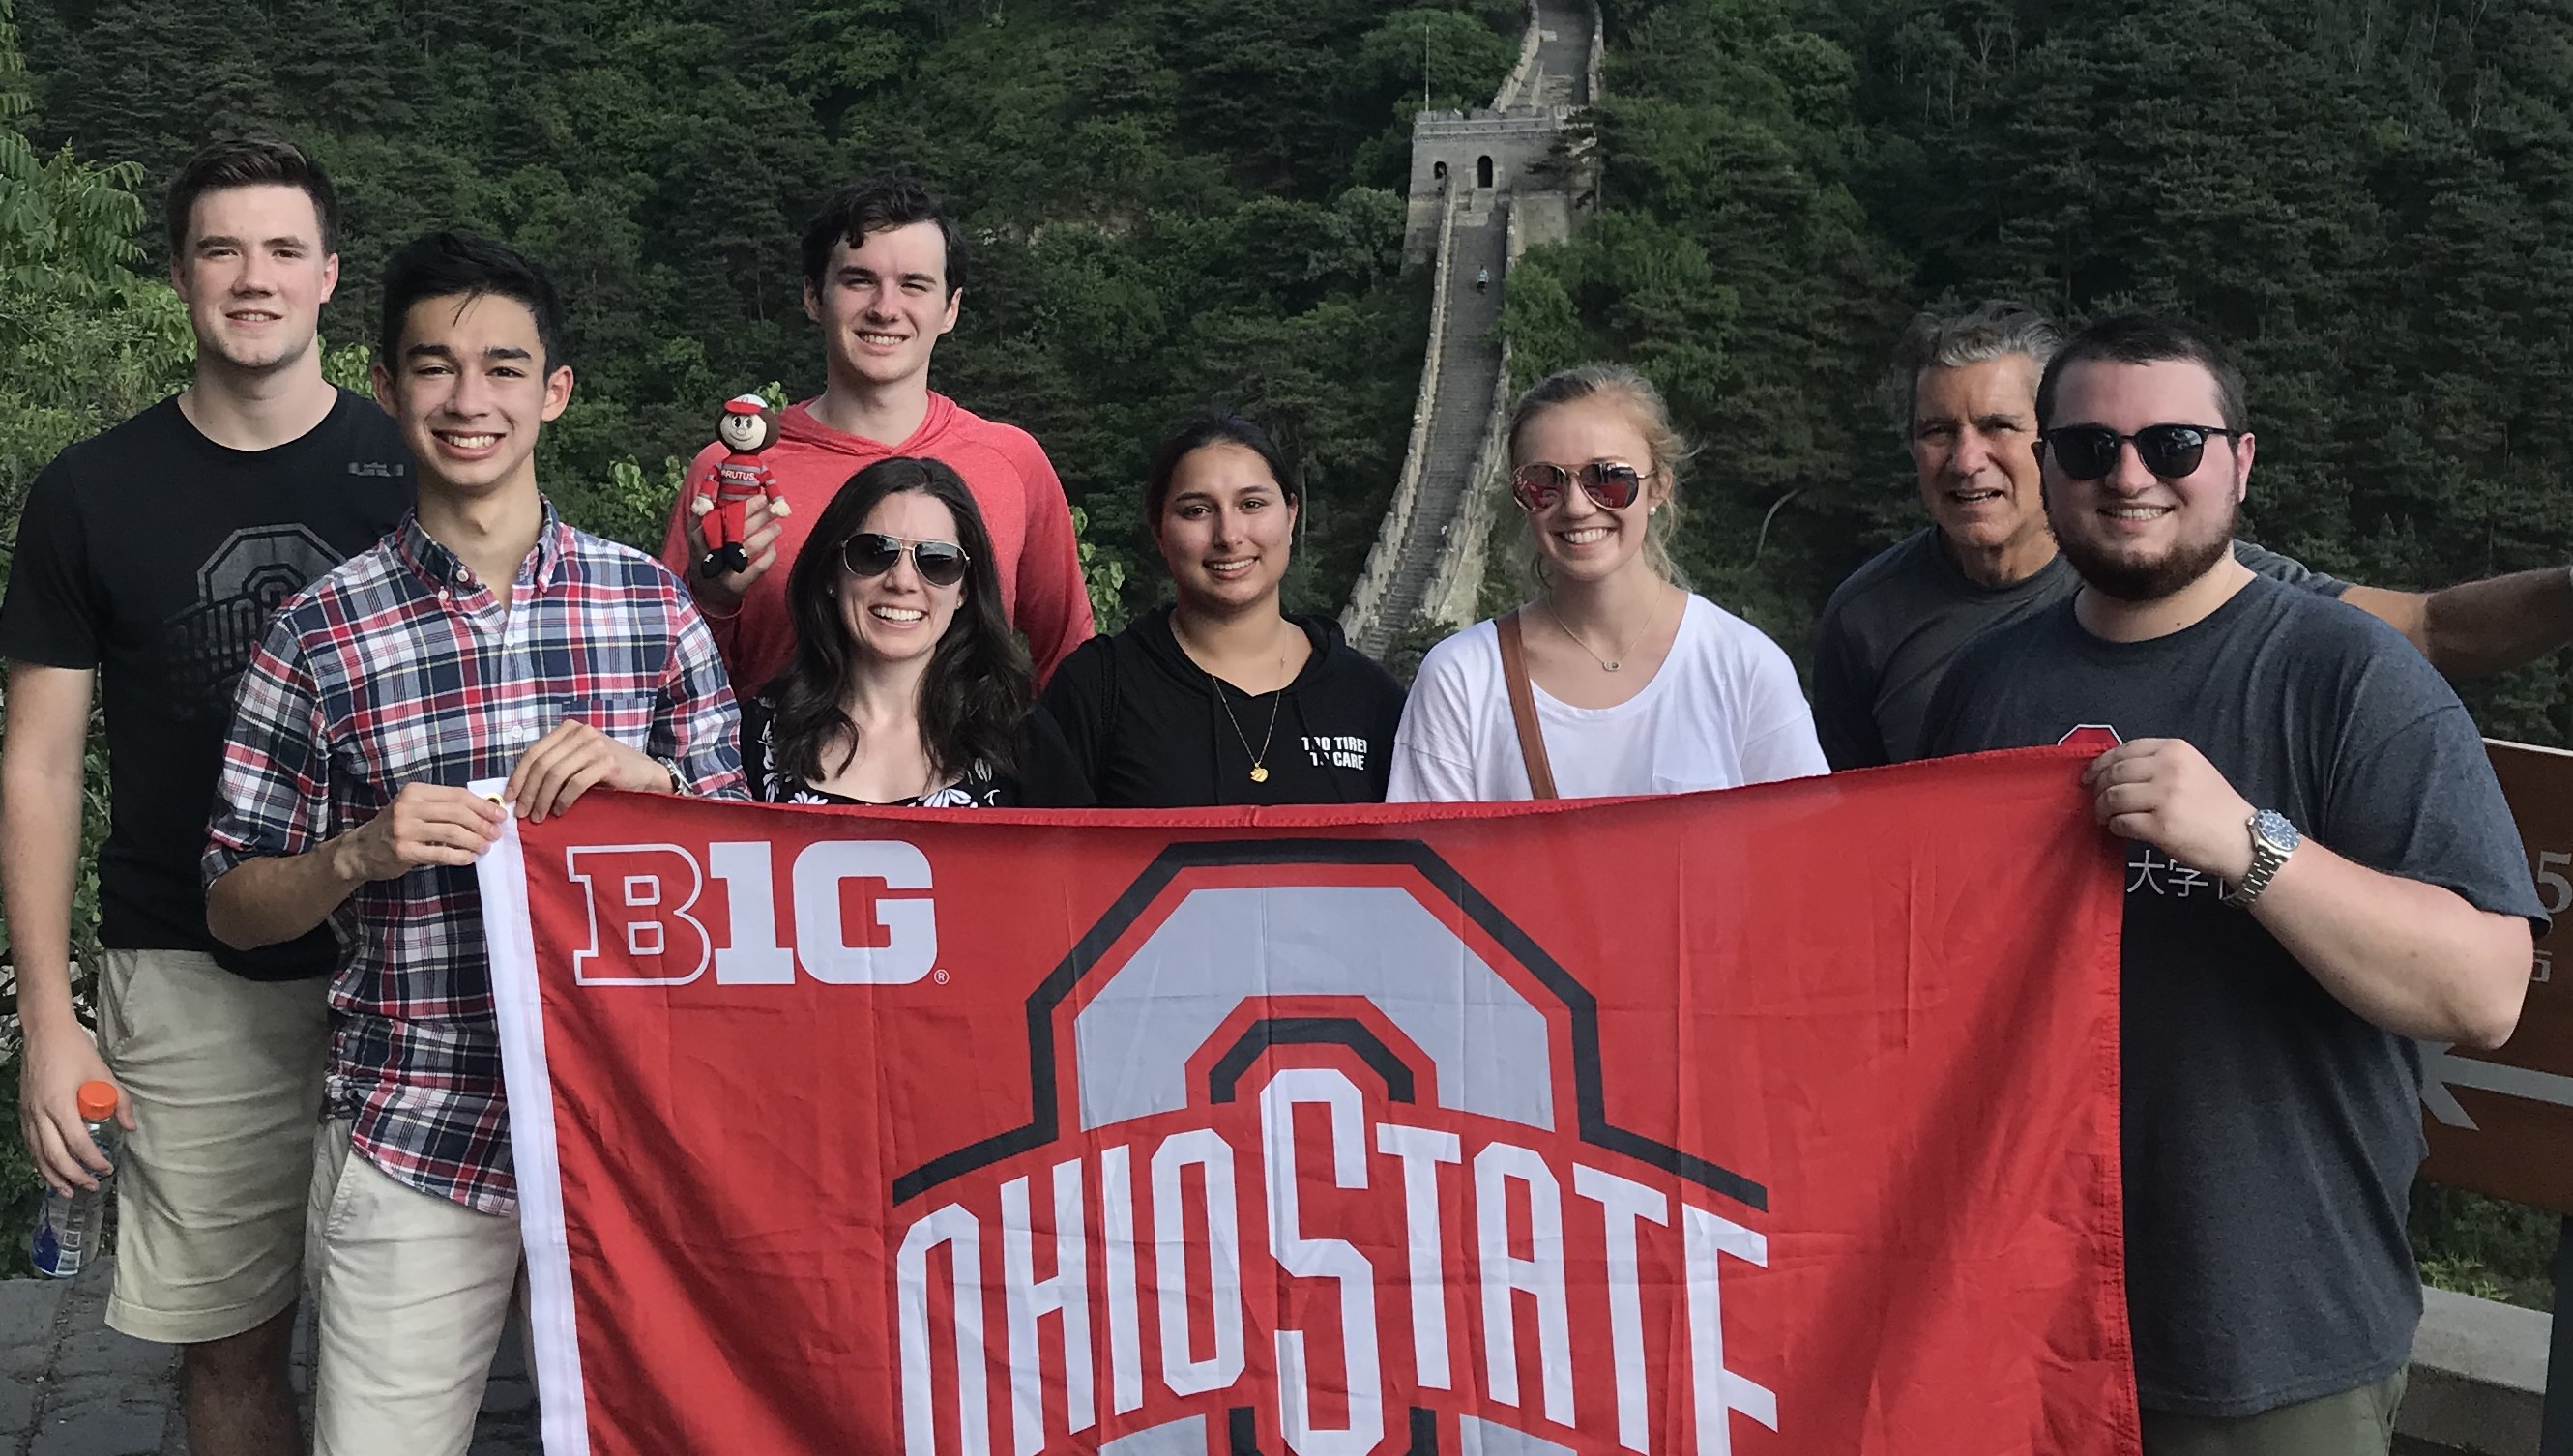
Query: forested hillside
x,y
1175,202
1186,201
2372,199
1178,201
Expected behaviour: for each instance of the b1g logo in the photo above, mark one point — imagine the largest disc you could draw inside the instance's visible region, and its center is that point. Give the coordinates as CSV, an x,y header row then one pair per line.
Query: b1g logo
x,y
1318,1163
862,914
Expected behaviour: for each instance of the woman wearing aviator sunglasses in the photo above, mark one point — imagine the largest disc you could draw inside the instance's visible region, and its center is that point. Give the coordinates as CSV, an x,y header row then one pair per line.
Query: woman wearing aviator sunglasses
x,y
1614,678
1221,697
907,686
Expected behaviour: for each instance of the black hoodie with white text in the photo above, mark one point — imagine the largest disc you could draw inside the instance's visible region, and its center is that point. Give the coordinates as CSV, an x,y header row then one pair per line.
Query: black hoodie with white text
x,y
1155,731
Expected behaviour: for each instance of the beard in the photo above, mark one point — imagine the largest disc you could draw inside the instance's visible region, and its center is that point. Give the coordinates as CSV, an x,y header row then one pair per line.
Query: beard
x,y
2147,579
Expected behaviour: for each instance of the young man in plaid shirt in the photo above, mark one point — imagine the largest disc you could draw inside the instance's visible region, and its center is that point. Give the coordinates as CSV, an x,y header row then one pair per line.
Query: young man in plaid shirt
x,y
482,638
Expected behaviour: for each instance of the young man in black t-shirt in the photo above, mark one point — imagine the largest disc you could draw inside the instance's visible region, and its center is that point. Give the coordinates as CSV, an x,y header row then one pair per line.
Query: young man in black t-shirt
x,y
149,560
2321,869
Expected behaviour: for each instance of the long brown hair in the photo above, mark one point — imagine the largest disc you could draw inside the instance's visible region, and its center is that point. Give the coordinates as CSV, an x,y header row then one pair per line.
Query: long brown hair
x,y
979,684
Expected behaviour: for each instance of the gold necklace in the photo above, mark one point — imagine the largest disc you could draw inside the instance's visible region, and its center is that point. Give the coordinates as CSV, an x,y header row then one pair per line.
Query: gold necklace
x,y
1606,664
1259,759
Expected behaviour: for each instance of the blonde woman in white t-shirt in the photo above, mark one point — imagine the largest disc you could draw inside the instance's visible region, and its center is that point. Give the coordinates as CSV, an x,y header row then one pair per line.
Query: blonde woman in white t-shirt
x,y
1630,683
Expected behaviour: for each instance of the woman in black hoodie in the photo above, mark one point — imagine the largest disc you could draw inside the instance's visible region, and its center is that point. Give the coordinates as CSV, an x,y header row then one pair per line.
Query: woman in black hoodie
x,y
1220,697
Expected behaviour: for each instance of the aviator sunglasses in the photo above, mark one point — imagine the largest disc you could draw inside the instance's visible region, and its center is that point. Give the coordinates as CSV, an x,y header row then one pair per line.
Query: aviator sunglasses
x,y
872,553
1613,483
2172,452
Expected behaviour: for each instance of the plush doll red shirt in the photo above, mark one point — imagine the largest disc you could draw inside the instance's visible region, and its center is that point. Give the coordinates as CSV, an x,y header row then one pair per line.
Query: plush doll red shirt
x,y
722,502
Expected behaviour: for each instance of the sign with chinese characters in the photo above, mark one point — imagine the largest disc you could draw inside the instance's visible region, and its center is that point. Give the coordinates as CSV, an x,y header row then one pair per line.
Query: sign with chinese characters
x,y
2501,1121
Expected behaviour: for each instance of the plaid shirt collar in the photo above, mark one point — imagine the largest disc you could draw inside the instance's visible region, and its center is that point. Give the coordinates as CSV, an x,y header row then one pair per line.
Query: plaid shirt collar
x,y
441,569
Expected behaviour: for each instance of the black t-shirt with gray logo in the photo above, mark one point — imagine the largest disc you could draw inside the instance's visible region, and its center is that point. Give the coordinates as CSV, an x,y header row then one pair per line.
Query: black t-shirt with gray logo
x,y
156,556
1889,632
2271,1133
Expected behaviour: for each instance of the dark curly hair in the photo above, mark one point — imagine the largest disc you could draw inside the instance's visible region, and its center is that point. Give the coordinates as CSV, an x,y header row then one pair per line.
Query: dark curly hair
x,y
876,205
979,685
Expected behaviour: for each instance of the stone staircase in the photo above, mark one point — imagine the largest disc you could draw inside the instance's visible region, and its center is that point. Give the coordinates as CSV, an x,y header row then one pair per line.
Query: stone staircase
x,y
1460,404
1565,46
1471,177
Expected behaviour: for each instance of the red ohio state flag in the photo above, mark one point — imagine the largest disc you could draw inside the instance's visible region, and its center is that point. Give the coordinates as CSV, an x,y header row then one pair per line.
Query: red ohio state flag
x,y
1782,1120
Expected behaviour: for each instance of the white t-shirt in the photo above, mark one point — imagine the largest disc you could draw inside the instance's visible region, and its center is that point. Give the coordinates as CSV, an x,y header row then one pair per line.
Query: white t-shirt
x,y
1724,710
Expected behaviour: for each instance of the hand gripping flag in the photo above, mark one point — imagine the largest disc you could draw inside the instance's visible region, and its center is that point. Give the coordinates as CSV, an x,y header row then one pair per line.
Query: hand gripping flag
x,y
1776,1121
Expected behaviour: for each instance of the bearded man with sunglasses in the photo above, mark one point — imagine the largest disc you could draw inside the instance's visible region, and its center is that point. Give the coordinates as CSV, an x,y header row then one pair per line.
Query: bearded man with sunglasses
x,y
2320,869
1968,384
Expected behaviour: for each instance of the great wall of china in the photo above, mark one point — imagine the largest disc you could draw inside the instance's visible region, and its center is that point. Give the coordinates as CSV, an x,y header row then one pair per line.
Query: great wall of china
x,y
1484,187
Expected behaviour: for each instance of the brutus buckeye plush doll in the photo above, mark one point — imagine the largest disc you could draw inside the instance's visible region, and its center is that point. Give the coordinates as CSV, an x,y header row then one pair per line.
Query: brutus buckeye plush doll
x,y
748,427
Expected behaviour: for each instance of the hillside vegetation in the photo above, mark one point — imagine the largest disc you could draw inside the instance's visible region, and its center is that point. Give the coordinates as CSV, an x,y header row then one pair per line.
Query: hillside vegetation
x,y
1179,202
1173,203
2371,199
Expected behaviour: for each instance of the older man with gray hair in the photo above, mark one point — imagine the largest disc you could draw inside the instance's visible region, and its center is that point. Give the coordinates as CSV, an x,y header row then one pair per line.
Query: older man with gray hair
x,y
1988,558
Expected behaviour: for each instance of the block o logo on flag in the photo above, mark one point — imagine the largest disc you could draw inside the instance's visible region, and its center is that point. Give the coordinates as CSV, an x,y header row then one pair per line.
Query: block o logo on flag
x,y
1240,1046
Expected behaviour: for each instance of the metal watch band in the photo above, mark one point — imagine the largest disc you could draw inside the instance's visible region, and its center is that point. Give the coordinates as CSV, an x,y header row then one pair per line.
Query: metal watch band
x,y
2264,864
2267,855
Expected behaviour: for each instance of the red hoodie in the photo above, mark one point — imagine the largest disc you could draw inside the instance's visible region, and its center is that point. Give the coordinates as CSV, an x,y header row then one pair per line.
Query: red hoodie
x,y
1011,481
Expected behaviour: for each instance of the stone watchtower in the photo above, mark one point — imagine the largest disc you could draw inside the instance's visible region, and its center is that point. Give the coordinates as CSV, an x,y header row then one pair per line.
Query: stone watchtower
x,y
1508,149
1484,154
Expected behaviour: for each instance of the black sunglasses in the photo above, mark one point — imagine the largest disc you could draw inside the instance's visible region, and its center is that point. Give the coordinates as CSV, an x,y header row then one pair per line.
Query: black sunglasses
x,y
872,553
2172,452
1615,484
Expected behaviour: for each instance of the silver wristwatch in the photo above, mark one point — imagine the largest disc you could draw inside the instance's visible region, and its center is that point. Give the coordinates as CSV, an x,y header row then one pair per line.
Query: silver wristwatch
x,y
2274,838
679,781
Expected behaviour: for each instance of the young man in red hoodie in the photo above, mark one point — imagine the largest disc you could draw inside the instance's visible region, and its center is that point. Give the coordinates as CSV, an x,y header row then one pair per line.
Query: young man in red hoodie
x,y
883,274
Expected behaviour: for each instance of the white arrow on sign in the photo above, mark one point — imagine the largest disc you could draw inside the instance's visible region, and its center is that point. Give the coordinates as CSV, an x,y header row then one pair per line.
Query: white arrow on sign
x,y
2442,1070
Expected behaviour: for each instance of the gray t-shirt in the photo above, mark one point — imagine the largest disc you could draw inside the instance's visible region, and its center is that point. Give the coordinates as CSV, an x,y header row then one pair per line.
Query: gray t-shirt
x,y
2269,1134
1890,631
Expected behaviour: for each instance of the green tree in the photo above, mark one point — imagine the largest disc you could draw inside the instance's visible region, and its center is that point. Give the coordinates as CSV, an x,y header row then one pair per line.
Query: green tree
x,y
84,342
84,339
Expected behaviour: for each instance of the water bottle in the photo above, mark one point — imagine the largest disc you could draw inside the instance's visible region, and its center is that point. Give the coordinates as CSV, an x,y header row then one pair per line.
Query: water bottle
x,y
68,1227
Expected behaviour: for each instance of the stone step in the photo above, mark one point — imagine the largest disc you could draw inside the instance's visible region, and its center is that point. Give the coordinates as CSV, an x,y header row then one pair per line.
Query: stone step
x,y
70,1386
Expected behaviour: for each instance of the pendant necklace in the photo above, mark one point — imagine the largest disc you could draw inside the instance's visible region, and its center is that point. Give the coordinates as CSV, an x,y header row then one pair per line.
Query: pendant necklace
x,y
1606,664
1258,759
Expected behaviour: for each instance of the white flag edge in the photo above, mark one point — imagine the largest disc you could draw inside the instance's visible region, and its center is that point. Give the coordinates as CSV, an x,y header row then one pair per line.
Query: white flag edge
x,y
509,943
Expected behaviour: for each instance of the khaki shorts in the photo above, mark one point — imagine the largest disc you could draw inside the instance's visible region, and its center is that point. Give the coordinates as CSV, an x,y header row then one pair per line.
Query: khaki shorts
x,y
224,1078
410,1292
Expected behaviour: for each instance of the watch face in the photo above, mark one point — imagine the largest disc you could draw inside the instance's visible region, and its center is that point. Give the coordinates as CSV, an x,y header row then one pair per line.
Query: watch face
x,y
2276,828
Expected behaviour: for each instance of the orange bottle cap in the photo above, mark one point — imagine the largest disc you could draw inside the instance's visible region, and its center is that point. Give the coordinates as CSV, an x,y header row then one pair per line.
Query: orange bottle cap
x,y
97,1100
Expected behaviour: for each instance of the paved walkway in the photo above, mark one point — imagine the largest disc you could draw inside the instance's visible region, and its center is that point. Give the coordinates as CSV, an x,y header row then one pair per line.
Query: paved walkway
x,y
74,1387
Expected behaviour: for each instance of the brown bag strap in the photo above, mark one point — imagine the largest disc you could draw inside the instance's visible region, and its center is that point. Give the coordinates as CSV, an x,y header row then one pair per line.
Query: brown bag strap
x,y
1523,708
